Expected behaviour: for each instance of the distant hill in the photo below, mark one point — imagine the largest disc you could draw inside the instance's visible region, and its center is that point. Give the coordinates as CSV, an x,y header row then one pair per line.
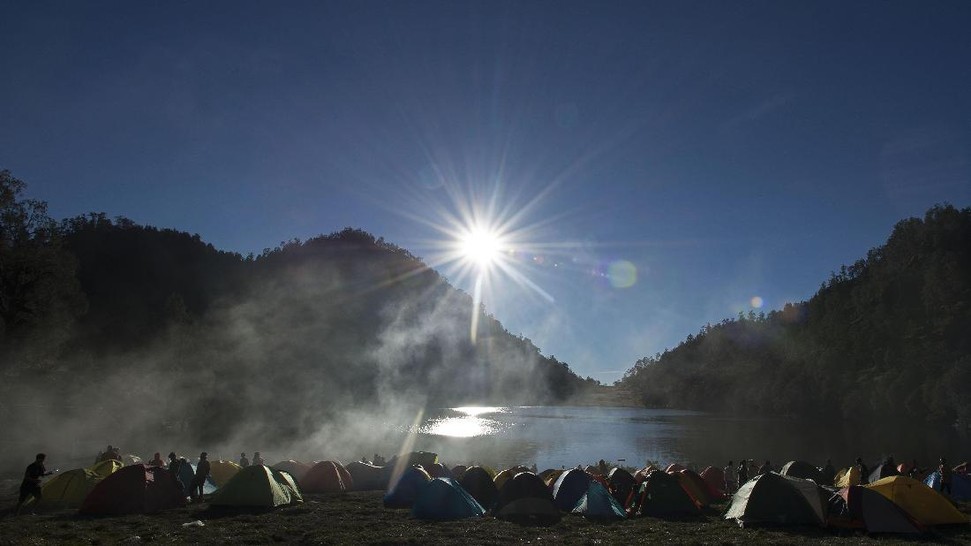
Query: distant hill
x,y
887,337
159,329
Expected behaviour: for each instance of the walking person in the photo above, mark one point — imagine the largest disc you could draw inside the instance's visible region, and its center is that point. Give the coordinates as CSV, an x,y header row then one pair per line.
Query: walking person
x,y
30,487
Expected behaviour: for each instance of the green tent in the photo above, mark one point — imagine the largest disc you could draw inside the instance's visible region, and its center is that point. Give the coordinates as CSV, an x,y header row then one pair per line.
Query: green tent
x,y
258,486
597,503
661,495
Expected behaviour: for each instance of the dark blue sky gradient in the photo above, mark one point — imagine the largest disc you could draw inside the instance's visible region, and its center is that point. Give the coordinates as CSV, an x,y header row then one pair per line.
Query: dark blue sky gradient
x,y
726,149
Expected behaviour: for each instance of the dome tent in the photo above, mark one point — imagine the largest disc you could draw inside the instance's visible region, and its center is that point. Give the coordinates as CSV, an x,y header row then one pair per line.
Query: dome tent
x,y
443,499
258,486
135,489
771,498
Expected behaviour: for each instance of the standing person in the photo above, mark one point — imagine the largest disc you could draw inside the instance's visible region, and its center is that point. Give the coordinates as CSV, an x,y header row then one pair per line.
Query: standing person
x,y
157,461
742,473
30,487
173,463
945,476
864,471
243,461
731,481
202,472
827,474
765,468
257,459
915,470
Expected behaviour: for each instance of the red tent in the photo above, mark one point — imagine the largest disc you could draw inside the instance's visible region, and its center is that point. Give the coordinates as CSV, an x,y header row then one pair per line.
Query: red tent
x,y
325,477
134,489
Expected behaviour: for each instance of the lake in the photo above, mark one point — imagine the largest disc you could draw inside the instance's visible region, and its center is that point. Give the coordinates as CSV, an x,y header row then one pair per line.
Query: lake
x,y
555,436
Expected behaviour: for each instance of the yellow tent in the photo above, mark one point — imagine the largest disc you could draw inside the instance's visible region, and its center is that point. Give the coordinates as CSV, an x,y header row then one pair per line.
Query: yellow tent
x,y
501,477
68,489
106,468
549,476
222,471
847,477
923,504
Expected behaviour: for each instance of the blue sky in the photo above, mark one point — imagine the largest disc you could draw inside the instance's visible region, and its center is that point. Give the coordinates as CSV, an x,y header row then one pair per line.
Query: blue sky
x,y
720,151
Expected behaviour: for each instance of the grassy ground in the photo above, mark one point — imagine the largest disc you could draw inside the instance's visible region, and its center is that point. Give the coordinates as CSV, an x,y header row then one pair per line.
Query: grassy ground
x,y
359,517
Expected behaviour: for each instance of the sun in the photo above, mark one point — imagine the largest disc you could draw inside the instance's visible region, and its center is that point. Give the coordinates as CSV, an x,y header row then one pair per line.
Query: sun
x,y
481,247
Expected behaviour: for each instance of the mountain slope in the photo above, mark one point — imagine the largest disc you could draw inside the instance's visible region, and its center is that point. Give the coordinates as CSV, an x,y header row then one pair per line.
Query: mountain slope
x,y
885,337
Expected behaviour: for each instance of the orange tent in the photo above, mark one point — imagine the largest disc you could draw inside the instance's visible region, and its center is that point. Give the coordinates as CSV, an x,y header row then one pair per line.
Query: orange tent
x,y
324,477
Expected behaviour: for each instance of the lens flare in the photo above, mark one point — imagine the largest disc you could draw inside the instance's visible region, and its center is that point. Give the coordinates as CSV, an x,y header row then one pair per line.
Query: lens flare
x,y
757,302
622,274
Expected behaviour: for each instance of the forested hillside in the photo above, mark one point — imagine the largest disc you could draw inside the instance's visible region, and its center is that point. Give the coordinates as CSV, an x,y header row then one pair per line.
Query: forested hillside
x,y
156,328
887,337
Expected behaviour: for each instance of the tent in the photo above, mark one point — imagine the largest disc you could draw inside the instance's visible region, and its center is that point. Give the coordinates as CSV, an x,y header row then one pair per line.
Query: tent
x,y
134,489
443,499
294,468
258,486
621,484
774,498
847,477
960,485
923,504
129,459
715,478
222,471
597,503
661,494
876,513
67,489
695,486
883,471
458,471
324,477
438,470
569,487
525,496
501,477
345,476
106,468
367,477
800,469
402,494
479,484
550,475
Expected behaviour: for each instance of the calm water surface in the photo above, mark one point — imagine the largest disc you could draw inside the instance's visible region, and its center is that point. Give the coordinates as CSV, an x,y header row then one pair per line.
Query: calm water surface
x,y
566,436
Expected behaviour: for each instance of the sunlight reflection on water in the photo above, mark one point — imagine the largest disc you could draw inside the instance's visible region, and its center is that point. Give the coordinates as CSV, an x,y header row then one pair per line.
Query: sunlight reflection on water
x,y
467,425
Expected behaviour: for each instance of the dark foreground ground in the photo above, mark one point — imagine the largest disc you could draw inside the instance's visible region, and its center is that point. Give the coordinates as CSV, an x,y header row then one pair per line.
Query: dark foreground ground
x,y
359,518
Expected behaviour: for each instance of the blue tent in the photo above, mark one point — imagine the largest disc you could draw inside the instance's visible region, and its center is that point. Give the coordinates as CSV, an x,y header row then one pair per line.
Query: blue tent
x,y
187,471
960,485
403,493
598,503
444,499
569,487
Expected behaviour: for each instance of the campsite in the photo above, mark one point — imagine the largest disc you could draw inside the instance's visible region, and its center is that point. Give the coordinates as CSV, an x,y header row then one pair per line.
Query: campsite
x,y
485,272
403,503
